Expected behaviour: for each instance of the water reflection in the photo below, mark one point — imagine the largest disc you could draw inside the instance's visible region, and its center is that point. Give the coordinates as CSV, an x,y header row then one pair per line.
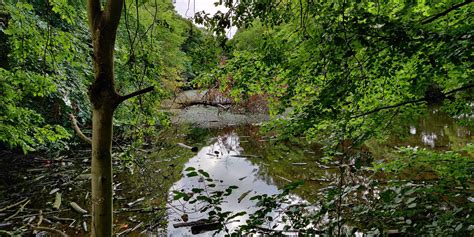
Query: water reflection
x,y
436,131
224,163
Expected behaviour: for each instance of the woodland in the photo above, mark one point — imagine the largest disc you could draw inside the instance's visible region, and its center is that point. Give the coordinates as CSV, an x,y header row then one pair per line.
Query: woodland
x,y
84,89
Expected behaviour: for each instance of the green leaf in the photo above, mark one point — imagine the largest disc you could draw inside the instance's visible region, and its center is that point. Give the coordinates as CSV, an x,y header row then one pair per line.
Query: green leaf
x,y
204,173
192,174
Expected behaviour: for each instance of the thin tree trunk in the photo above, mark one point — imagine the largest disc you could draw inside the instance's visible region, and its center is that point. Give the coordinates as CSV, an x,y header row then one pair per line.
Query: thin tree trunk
x,y
104,100
102,200
103,23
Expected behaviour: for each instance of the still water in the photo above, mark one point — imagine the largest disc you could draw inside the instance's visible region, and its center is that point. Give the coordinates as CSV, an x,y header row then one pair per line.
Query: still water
x,y
258,165
232,156
224,162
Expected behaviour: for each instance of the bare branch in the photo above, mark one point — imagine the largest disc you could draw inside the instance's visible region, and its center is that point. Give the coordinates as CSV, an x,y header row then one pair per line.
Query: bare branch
x,y
78,130
445,12
136,93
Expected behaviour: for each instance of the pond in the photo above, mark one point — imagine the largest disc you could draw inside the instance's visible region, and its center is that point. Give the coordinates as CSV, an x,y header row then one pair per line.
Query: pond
x,y
228,156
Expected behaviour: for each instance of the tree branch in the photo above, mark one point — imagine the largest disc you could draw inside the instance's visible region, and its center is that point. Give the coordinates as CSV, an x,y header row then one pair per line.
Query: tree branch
x,y
389,107
445,12
93,12
136,93
468,86
462,88
78,130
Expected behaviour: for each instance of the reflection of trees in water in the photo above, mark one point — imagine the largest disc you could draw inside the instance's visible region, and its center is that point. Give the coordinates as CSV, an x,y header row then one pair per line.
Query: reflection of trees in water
x,y
438,130
226,144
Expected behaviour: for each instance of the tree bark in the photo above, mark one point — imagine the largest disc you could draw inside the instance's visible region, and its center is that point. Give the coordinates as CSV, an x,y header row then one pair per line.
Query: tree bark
x,y
104,99
102,200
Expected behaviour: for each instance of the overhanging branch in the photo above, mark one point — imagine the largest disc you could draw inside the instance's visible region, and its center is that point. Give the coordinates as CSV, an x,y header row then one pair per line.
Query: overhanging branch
x,y
445,12
462,88
389,107
136,93
78,130
424,99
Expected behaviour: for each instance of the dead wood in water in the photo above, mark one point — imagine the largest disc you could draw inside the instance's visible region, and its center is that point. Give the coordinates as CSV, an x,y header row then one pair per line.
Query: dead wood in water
x,y
192,223
140,210
245,156
199,226
192,148
13,205
77,208
51,230
299,163
18,211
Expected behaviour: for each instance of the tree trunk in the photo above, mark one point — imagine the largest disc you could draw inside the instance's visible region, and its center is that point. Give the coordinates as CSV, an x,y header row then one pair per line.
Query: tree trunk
x,y
102,199
103,23
104,100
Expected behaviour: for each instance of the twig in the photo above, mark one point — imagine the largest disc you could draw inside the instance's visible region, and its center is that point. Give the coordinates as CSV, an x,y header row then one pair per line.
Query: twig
x,y
18,211
61,218
49,230
124,232
6,232
40,218
287,180
13,205
45,213
137,226
157,223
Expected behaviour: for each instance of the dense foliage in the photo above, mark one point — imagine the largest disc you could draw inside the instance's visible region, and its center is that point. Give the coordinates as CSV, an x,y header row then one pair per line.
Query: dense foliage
x,y
355,65
340,72
46,67
351,71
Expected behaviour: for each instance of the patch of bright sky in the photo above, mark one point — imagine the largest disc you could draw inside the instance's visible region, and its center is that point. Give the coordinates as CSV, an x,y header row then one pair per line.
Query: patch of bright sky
x,y
187,8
